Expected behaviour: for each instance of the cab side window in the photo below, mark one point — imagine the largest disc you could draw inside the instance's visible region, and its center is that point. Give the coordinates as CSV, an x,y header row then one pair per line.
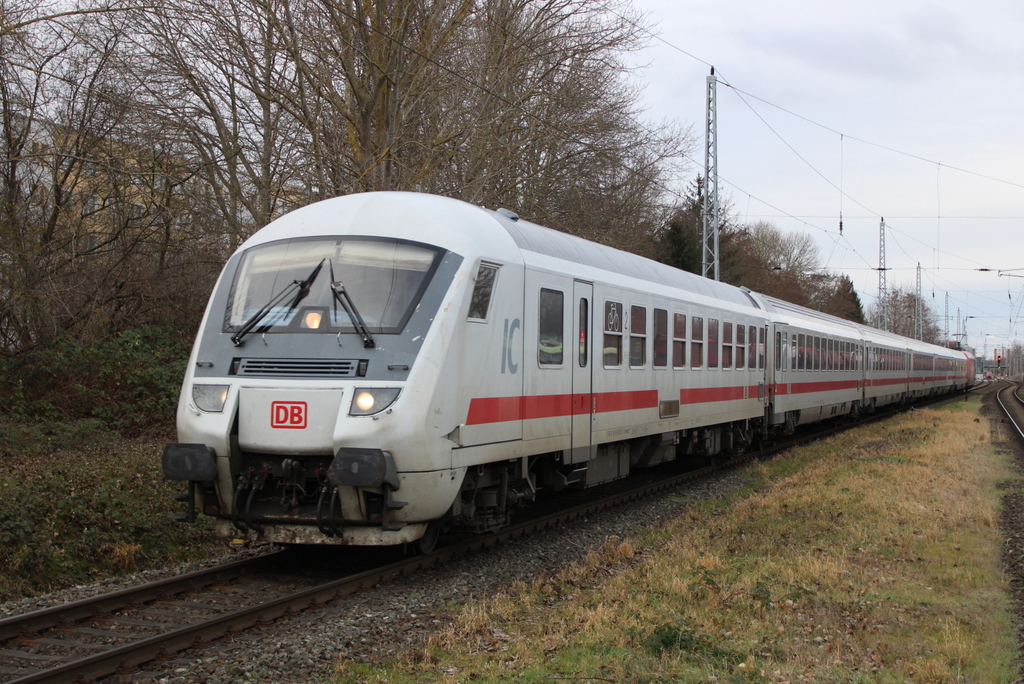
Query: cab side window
x,y
480,301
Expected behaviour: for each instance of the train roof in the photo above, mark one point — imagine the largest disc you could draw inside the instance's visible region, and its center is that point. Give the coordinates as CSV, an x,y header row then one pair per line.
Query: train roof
x,y
795,314
531,237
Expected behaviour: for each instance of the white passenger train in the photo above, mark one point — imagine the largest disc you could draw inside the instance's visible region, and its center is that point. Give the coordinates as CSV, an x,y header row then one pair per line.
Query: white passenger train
x,y
375,367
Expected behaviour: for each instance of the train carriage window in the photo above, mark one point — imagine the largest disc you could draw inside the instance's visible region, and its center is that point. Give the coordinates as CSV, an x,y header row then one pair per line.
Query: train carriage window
x,y
817,353
778,351
792,352
741,345
801,353
831,354
637,337
696,342
678,340
760,348
726,344
550,330
612,334
584,332
751,347
713,341
480,301
660,338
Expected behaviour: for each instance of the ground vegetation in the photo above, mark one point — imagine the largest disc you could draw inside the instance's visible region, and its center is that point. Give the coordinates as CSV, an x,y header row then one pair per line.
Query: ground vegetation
x,y
875,556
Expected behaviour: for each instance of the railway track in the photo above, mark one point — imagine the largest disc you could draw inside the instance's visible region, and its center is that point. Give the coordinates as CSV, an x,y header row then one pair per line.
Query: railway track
x,y
116,633
1012,404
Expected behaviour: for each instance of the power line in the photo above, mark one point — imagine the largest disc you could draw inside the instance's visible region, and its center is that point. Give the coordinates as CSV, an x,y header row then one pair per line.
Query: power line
x,y
911,155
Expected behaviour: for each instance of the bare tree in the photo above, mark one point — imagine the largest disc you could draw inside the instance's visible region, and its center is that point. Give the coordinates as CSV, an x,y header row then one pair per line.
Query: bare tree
x,y
784,265
902,306
552,129
212,73
142,144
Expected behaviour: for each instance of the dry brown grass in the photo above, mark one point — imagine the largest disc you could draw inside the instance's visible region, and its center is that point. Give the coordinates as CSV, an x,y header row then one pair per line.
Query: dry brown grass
x,y
870,557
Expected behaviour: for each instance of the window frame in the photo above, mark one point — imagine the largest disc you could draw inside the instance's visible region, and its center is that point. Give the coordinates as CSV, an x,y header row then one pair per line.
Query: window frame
x,y
541,329
678,352
495,268
697,342
637,334
714,342
612,331
659,348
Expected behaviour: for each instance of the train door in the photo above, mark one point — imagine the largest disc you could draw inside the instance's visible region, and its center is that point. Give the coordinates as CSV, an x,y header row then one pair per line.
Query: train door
x,y
582,372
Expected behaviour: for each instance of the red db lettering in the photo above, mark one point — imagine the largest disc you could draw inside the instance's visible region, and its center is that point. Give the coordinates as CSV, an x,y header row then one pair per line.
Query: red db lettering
x,y
288,414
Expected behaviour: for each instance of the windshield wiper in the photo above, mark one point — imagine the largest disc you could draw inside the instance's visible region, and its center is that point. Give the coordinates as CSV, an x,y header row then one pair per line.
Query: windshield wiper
x,y
239,337
342,297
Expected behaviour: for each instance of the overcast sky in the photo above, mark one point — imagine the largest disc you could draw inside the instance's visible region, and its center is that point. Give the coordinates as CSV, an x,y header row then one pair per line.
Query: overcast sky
x,y
915,110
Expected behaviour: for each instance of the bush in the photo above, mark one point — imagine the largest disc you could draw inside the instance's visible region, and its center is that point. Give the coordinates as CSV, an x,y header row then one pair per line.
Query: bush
x,y
130,382
74,516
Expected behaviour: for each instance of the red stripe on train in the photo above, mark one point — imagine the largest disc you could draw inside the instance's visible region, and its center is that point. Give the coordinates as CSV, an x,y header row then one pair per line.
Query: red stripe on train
x,y
503,409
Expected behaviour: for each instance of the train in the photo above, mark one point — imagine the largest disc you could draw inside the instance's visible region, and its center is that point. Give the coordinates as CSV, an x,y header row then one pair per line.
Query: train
x,y
377,368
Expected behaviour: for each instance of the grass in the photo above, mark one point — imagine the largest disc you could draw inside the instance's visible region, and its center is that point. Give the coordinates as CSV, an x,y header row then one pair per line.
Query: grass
x,y
874,556
79,504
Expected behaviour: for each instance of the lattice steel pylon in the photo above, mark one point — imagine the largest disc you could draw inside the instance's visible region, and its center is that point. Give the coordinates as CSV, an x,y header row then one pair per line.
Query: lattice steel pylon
x,y
709,209
883,289
918,309
945,322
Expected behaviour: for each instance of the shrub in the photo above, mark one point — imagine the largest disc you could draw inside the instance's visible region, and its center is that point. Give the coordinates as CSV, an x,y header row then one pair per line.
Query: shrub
x,y
130,382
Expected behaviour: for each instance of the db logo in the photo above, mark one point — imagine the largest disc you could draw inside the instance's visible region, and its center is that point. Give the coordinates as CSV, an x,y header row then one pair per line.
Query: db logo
x,y
288,414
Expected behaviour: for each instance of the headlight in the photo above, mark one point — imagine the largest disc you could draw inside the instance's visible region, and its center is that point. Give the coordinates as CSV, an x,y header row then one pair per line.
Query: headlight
x,y
369,400
210,398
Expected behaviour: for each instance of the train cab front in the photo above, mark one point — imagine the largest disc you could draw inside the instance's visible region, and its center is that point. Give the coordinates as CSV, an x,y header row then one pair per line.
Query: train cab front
x,y
296,421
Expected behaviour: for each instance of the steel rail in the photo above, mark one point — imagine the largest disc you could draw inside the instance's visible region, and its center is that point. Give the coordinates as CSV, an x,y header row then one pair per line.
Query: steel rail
x,y
1016,422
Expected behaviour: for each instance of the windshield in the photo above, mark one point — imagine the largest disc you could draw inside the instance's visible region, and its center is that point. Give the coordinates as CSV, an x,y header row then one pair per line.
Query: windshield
x,y
384,278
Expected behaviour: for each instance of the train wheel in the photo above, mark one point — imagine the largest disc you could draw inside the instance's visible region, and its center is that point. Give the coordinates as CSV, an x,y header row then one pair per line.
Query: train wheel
x,y
428,541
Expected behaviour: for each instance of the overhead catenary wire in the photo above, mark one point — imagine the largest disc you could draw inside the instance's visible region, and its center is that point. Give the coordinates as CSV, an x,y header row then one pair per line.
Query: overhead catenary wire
x,y
721,79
